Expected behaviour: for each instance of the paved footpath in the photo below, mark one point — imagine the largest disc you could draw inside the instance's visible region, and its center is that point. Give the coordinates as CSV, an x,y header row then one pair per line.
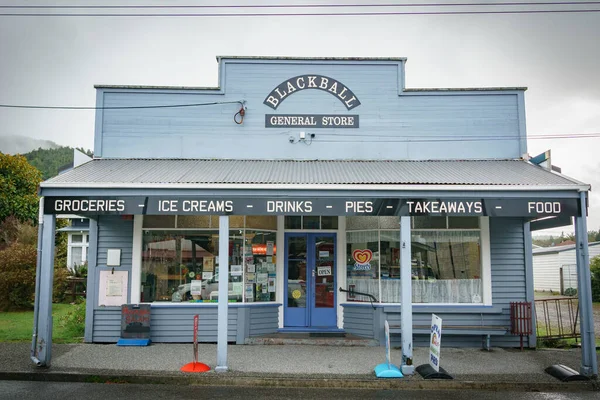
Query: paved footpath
x,y
292,365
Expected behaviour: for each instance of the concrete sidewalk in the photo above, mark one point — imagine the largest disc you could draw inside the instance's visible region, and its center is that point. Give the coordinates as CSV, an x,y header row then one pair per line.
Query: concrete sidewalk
x,y
292,365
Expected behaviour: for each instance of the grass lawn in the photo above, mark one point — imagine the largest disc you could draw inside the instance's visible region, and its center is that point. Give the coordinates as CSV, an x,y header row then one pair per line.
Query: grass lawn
x,y
18,326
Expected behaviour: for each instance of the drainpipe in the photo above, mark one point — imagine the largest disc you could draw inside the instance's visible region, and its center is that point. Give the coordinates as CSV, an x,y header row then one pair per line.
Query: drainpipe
x,y
38,266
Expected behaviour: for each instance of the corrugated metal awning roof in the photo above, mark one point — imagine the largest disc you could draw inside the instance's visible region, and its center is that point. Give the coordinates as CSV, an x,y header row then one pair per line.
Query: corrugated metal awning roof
x,y
186,172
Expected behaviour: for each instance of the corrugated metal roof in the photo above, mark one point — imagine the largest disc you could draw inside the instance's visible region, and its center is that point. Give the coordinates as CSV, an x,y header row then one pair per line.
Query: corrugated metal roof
x,y
559,249
288,172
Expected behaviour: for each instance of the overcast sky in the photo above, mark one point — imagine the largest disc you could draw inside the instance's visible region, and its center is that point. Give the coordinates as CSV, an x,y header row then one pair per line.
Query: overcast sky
x,y
57,60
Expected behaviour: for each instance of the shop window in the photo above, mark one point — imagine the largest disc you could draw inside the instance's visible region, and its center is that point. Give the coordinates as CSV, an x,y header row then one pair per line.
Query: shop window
x,y
429,222
159,221
362,263
235,221
463,222
260,258
389,223
192,221
446,266
389,243
183,265
361,223
261,222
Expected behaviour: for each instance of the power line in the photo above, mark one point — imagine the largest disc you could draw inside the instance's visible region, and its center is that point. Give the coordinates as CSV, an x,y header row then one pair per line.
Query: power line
x,y
422,138
316,14
267,6
241,102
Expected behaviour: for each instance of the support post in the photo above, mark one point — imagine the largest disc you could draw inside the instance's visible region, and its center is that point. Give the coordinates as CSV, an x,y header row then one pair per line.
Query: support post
x,y
406,296
92,281
529,291
223,294
589,362
38,268
44,334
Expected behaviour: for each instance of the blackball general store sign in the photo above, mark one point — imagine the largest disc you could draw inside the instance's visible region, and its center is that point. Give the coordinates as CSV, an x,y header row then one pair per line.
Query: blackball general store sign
x,y
319,82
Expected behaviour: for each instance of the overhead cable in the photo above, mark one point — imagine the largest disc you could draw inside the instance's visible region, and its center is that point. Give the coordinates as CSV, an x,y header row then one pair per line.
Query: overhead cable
x,y
119,107
315,14
314,5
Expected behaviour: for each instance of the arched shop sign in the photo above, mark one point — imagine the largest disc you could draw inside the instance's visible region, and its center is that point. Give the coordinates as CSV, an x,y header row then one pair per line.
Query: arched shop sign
x,y
194,205
303,82
319,82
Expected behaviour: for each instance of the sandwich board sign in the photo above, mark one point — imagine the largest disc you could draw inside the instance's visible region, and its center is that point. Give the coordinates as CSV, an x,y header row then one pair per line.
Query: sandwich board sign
x,y
435,341
387,369
135,325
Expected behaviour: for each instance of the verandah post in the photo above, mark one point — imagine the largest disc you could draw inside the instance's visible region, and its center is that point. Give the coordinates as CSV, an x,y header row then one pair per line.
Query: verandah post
x,y
406,295
222,307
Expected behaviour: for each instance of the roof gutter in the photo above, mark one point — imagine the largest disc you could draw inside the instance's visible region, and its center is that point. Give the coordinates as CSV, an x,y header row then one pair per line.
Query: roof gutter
x,y
357,187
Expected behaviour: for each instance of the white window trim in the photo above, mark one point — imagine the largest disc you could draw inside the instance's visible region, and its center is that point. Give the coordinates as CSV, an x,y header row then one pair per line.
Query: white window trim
x,y
136,264
486,261
84,244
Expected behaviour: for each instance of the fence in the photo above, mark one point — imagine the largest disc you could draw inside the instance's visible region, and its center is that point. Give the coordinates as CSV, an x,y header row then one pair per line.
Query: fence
x,y
557,318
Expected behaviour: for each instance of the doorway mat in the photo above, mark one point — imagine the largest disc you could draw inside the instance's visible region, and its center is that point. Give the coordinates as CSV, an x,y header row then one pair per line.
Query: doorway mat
x,y
327,334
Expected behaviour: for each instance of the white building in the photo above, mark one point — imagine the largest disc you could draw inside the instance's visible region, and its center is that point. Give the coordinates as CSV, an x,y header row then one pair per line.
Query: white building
x,y
555,269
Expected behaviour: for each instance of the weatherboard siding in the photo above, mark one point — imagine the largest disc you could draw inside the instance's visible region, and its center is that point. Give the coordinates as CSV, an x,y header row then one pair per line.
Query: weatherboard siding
x,y
114,232
393,124
174,323
546,275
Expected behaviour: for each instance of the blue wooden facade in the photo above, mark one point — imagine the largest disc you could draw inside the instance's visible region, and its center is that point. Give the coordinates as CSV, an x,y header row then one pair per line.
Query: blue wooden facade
x,y
394,123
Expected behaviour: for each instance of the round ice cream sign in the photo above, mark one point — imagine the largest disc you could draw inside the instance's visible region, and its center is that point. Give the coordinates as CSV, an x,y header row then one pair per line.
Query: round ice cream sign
x,y
362,259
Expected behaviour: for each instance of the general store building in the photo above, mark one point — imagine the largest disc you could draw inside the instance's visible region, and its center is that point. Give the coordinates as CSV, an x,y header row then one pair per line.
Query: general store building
x,y
328,174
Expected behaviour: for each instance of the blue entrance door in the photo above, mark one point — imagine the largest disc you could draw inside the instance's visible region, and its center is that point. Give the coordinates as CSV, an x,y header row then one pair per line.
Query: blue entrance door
x,y
310,281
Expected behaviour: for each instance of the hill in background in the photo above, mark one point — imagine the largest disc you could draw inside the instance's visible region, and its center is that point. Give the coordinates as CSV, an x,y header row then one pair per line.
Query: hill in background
x,y
45,155
50,160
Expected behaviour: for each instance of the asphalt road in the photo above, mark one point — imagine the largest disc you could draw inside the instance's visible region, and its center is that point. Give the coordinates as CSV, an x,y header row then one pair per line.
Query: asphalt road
x,y
91,391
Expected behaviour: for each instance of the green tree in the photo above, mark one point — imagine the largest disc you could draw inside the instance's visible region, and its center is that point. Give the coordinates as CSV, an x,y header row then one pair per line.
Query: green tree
x,y
595,272
49,161
19,182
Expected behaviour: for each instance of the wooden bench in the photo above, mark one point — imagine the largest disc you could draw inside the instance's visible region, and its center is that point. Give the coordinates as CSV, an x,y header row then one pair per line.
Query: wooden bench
x,y
478,330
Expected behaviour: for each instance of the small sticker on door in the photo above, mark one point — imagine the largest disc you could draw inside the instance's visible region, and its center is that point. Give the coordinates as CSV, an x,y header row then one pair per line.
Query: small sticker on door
x,y
296,294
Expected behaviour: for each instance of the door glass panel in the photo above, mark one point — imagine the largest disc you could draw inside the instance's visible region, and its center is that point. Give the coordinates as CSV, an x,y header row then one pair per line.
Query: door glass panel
x,y
296,284
324,272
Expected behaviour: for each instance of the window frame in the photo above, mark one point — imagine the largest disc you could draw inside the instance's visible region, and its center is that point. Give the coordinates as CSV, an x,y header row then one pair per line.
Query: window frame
x,y
485,260
136,267
84,245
